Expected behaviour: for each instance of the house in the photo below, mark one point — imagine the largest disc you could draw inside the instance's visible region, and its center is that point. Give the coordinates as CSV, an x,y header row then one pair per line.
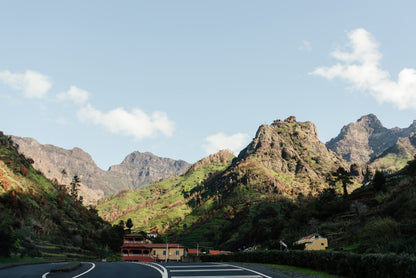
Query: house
x,y
195,252
313,242
135,248
218,252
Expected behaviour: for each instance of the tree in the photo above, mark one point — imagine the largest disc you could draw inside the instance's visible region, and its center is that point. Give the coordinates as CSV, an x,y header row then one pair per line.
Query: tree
x,y
74,187
379,181
343,176
129,225
64,174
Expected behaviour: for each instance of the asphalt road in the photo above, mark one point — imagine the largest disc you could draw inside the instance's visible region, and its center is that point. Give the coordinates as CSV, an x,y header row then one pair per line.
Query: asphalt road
x,y
137,270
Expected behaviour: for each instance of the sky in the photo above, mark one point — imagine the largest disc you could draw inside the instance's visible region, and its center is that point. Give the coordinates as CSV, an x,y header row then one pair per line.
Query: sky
x,y
183,79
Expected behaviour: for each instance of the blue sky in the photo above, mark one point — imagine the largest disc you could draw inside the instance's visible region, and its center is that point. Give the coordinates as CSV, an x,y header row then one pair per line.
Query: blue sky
x,y
182,79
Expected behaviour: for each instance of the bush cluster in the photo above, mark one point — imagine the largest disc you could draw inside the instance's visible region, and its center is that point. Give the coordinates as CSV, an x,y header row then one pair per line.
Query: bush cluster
x,y
339,263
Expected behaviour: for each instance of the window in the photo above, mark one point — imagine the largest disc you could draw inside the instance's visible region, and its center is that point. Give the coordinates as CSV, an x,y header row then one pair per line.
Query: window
x,y
154,253
177,253
164,253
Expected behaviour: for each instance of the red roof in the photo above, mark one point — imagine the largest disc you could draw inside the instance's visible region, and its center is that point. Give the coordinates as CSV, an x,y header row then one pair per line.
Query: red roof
x,y
153,245
217,252
308,237
194,251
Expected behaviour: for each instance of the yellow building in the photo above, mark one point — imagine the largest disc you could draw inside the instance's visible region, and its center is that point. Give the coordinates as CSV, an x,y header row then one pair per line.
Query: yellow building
x,y
175,251
135,248
313,242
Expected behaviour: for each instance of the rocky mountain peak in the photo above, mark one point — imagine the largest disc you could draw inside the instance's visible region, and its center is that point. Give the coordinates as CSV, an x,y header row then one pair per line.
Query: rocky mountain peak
x,y
290,146
136,171
370,120
366,139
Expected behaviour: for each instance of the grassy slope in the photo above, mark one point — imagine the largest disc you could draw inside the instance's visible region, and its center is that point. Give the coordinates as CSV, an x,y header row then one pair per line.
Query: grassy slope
x,y
42,219
161,205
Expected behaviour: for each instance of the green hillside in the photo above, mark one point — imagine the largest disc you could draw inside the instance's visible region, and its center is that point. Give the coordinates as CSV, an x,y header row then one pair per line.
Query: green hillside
x,y
39,218
166,203
220,204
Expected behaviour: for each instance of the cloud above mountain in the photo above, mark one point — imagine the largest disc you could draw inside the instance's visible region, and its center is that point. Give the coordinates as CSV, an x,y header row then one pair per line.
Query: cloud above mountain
x,y
74,94
33,84
118,121
221,141
135,123
360,67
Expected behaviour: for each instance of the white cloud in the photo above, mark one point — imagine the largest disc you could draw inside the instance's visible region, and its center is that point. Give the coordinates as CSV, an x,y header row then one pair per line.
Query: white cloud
x,y
361,68
33,84
220,141
306,46
135,123
75,95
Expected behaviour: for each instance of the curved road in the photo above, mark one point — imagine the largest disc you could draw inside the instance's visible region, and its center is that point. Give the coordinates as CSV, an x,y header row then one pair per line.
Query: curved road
x,y
136,270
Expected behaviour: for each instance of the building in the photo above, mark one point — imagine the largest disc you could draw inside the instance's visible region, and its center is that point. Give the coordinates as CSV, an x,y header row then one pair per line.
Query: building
x,y
195,252
313,242
135,248
218,252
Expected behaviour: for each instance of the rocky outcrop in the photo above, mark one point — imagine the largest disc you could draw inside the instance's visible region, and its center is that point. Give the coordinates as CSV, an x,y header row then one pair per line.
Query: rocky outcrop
x,y
136,171
366,139
397,156
140,169
285,157
290,146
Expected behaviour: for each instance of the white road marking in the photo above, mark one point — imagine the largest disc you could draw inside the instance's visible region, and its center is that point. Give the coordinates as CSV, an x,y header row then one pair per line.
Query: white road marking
x,y
261,274
239,276
45,274
79,275
205,270
193,266
164,273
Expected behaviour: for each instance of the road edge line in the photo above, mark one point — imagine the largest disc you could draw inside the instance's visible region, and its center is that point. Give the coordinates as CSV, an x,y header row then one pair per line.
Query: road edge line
x,y
79,275
164,273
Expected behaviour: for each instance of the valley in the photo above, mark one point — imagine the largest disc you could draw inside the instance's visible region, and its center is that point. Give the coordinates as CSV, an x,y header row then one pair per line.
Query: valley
x,y
281,187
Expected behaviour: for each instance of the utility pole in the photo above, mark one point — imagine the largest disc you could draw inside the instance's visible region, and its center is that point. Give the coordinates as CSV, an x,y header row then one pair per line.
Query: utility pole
x,y
167,248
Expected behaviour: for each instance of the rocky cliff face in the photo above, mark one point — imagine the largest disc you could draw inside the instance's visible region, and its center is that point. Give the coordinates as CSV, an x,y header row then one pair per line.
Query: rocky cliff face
x,y
140,169
366,139
284,157
291,147
137,170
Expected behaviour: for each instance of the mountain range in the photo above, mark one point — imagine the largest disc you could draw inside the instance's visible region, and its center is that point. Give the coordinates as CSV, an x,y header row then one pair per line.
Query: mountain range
x,y
281,186
135,172
367,141
276,188
363,144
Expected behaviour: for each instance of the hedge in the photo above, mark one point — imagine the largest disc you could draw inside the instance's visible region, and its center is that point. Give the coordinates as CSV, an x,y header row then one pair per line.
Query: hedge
x,y
339,263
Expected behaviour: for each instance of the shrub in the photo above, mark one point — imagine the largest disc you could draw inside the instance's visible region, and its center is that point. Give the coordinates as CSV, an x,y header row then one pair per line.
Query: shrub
x,y
24,171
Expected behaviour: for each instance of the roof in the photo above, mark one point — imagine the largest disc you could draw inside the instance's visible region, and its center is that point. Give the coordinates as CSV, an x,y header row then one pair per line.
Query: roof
x,y
194,251
217,252
134,235
153,245
309,237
